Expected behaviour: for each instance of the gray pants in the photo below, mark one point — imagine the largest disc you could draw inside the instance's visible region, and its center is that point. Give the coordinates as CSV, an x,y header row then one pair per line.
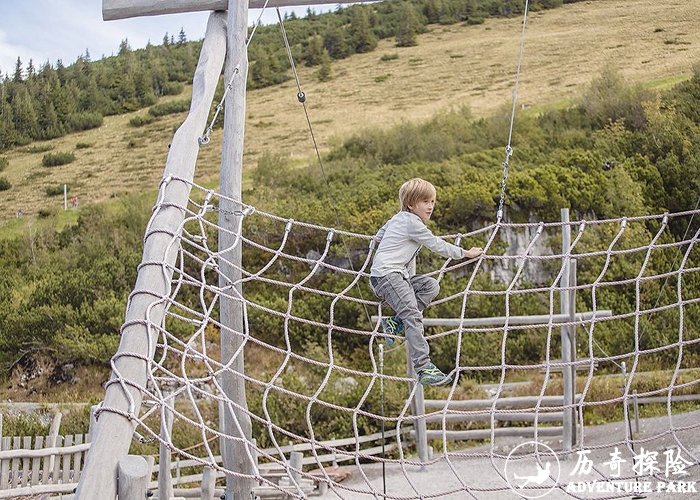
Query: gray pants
x,y
408,298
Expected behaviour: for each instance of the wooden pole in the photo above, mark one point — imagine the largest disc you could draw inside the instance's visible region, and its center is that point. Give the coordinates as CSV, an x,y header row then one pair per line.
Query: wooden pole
x,y
573,281
418,409
133,478
566,347
165,480
114,431
234,422
122,9
208,484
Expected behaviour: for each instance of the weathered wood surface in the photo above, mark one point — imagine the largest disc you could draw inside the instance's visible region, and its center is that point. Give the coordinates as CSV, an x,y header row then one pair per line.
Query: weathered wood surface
x,y
123,9
29,468
114,431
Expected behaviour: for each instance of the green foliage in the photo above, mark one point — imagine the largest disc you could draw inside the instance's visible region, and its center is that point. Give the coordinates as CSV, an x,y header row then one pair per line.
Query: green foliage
x,y
4,162
169,108
141,120
4,184
55,190
57,159
83,145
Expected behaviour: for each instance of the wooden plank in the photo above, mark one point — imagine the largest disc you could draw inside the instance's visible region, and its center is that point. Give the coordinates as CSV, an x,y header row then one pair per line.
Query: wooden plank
x,y
123,9
513,402
4,464
20,453
36,461
15,463
65,457
551,416
77,459
56,472
26,463
498,432
39,489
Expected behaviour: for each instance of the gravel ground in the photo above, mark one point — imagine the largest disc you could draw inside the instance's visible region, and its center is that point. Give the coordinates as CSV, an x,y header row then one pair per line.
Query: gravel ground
x,y
478,477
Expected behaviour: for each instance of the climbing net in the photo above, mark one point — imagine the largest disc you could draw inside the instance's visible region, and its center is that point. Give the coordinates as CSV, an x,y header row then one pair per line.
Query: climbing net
x,y
320,379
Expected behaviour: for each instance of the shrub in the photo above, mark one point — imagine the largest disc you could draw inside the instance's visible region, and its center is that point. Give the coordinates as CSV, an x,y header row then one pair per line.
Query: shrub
x,y
54,190
141,120
83,145
4,184
169,108
4,162
173,88
389,57
85,121
56,159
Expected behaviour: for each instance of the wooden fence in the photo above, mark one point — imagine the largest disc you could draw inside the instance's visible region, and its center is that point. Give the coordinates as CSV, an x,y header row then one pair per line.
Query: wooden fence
x,y
297,455
39,465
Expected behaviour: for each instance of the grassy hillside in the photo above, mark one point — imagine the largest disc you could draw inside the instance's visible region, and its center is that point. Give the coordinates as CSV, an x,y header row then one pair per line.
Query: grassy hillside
x,y
649,42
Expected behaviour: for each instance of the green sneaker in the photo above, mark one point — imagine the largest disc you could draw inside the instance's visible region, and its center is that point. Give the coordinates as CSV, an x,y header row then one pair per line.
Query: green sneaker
x,y
391,326
431,375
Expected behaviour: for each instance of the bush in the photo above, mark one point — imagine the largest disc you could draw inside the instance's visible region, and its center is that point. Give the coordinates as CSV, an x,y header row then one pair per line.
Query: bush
x,y
54,190
83,145
173,88
57,159
85,121
4,162
4,184
169,108
141,120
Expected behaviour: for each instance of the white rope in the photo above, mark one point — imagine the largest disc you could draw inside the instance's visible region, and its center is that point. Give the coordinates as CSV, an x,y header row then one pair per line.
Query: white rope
x,y
189,368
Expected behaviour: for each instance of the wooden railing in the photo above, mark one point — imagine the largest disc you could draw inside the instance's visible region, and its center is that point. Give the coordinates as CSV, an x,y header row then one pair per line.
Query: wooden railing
x,y
40,465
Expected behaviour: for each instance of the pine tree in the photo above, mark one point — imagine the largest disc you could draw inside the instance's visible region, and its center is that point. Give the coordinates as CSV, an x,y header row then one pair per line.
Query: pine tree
x,y
314,51
324,73
363,40
407,30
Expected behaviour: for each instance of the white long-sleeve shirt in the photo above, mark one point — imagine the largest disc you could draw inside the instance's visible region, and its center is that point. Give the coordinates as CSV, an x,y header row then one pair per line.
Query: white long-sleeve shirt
x,y
400,240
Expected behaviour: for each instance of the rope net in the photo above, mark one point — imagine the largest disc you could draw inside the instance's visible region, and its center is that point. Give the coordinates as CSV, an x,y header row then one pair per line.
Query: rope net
x,y
319,378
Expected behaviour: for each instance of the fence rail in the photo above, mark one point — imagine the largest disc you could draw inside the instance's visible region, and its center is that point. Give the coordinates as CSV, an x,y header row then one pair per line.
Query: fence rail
x,y
29,467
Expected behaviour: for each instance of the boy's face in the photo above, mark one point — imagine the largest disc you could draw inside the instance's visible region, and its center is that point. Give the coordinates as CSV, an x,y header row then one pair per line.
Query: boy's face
x,y
423,209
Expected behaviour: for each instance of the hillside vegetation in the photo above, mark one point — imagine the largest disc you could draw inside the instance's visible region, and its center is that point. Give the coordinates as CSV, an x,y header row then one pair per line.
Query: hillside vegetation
x,y
602,137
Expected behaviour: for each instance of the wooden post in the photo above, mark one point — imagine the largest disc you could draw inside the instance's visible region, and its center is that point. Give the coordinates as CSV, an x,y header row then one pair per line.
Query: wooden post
x,y
165,480
296,461
418,408
566,347
235,422
133,473
52,437
208,484
573,281
93,421
114,431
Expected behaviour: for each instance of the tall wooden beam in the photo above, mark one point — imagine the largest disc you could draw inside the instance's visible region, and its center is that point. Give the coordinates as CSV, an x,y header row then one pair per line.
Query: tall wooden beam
x,y
123,9
234,421
114,428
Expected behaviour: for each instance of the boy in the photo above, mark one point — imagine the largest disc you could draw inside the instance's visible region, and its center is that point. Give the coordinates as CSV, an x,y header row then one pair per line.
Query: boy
x,y
393,278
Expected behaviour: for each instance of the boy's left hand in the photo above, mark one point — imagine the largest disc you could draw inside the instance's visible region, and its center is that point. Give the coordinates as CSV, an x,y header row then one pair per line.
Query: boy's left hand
x,y
473,252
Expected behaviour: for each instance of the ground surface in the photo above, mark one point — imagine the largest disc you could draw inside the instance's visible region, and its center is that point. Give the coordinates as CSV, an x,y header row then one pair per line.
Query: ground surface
x,y
438,479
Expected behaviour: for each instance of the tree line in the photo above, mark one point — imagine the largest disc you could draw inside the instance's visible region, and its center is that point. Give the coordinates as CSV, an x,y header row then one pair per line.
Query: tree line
x,y
53,100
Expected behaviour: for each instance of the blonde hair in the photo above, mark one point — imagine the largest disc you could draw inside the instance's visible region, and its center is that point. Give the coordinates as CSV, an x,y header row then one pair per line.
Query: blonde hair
x,y
415,190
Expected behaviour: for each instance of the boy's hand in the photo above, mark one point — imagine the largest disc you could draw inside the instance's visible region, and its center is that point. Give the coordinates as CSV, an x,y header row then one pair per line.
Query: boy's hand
x,y
473,252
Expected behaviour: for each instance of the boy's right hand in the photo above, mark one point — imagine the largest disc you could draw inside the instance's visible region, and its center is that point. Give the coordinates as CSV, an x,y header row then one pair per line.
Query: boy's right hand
x,y
473,252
